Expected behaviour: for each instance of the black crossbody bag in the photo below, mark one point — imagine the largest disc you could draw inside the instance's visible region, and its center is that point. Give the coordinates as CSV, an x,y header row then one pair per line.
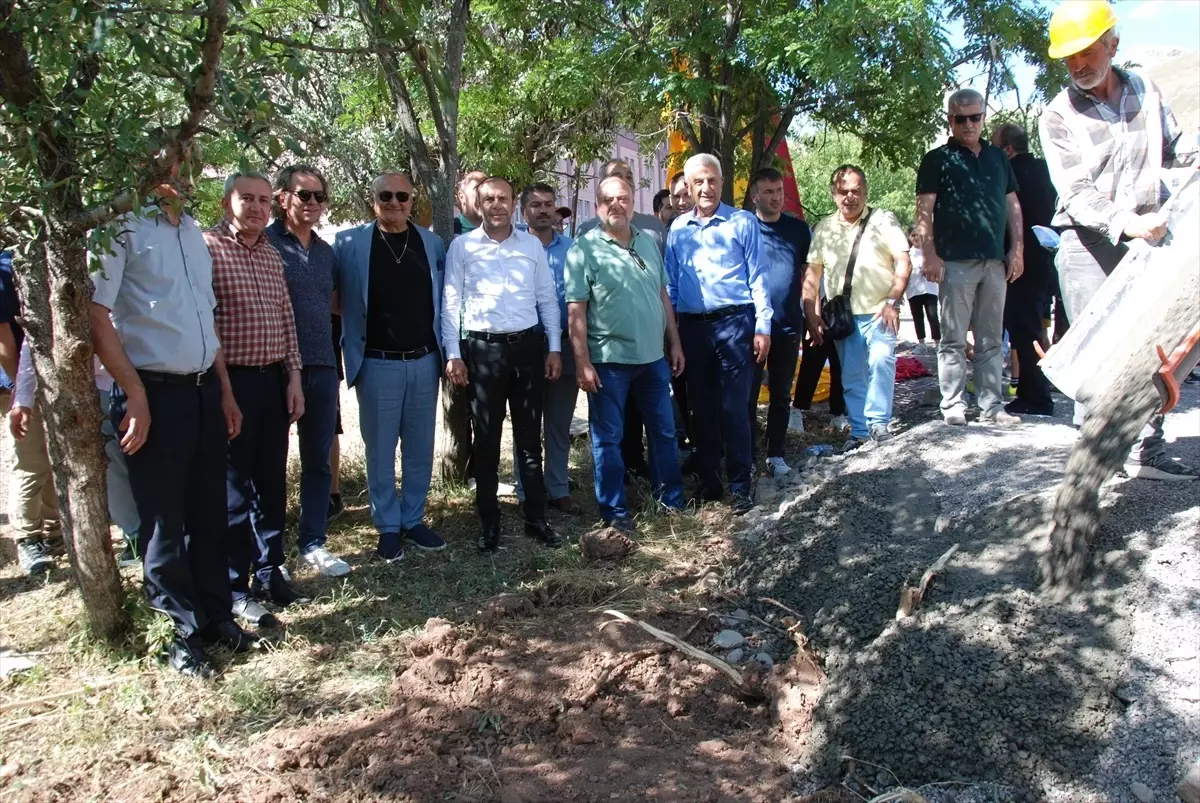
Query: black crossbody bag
x,y
835,312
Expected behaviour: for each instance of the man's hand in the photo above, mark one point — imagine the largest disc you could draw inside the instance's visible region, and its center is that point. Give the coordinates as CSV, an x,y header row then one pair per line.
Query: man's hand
x,y
816,329
586,377
934,268
295,398
456,372
232,413
553,365
18,422
889,315
136,423
675,359
1015,265
1151,226
762,346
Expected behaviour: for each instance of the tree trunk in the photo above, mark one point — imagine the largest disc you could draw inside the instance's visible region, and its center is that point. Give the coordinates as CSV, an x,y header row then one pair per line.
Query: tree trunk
x,y
56,312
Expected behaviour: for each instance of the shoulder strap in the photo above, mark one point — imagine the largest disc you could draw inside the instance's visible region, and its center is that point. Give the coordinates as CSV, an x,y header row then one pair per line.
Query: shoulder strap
x,y
854,252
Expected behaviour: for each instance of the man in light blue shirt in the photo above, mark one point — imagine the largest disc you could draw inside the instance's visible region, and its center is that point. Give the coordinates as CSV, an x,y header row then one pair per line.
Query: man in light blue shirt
x,y
539,204
717,280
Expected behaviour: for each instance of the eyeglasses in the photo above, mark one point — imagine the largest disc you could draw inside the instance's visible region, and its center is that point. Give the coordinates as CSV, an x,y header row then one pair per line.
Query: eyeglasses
x,y
386,196
959,119
310,195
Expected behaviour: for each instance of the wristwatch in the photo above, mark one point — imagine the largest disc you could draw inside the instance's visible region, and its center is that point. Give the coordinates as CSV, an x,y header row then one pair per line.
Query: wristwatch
x,y
896,302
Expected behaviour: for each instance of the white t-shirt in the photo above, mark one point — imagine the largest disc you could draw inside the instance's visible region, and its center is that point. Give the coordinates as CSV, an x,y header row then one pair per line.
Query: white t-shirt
x,y
917,284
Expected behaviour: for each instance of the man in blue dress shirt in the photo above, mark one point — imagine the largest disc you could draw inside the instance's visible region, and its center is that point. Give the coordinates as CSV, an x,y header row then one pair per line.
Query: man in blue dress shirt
x,y
717,280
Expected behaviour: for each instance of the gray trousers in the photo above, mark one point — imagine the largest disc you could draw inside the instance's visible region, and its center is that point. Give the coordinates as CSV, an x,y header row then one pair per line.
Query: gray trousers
x,y
971,296
558,409
122,508
1084,261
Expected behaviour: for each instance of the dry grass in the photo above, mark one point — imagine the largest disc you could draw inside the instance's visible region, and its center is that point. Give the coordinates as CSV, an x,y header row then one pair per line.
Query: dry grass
x,y
338,654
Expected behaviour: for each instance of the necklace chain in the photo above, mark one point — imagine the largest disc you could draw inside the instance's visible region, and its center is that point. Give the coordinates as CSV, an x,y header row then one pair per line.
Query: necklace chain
x,y
403,251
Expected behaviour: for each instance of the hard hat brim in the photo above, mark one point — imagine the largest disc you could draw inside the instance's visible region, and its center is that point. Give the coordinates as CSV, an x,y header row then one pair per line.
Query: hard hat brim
x,y
1064,49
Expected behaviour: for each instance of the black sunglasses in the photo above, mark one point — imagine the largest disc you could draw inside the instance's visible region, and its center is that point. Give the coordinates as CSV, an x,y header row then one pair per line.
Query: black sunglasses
x,y
309,195
959,119
386,196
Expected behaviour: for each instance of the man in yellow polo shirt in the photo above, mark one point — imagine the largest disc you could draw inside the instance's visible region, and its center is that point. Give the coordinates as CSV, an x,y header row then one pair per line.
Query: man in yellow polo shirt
x,y
881,269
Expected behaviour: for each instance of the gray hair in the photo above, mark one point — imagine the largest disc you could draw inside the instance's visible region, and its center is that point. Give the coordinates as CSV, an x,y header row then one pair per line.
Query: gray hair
x,y
386,175
621,179
700,160
233,179
962,98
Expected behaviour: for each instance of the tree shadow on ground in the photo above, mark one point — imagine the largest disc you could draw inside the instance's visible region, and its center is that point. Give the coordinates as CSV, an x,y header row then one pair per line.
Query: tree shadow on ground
x,y
989,680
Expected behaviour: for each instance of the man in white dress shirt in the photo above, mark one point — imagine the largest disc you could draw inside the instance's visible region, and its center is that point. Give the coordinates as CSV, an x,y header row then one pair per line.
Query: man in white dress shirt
x,y
499,314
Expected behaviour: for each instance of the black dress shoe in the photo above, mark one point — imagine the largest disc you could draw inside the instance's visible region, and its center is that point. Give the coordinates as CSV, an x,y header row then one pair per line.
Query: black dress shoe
x,y
741,505
564,504
703,495
252,612
188,658
1022,407
279,591
489,539
541,531
228,634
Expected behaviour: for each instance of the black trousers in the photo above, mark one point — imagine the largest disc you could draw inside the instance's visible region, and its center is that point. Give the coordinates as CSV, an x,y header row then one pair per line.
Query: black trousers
x,y
1023,308
812,360
779,369
178,483
925,306
512,374
256,476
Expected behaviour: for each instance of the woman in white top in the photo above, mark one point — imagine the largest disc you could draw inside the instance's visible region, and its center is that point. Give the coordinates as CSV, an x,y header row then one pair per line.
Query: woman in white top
x,y
922,295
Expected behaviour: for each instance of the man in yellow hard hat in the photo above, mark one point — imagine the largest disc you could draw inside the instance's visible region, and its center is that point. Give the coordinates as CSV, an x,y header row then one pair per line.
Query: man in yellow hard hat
x,y
1107,138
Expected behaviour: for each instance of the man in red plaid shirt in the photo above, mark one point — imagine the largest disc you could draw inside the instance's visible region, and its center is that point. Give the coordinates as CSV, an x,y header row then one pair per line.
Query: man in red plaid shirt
x,y
255,325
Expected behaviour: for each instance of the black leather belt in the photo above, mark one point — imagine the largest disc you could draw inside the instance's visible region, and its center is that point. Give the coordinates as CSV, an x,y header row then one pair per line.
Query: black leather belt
x,y
164,378
507,337
717,314
415,354
257,369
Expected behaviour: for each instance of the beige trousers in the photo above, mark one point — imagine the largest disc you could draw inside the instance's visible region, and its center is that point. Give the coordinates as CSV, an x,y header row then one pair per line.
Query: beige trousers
x,y
32,501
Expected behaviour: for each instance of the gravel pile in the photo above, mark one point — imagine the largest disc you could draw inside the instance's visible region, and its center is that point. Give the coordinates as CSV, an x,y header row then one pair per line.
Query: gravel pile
x,y
989,682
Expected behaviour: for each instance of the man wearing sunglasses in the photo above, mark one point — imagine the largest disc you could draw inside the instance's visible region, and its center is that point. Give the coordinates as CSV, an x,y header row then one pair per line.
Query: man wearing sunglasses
x,y
308,263
499,298
966,194
616,290
389,285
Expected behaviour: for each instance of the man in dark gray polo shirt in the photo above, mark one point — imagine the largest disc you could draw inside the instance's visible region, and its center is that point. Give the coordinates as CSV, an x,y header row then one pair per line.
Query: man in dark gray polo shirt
x,y
153,329
966,191
309,265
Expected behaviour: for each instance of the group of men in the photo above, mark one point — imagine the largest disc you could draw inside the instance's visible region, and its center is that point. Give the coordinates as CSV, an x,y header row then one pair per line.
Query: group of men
x,y
211,344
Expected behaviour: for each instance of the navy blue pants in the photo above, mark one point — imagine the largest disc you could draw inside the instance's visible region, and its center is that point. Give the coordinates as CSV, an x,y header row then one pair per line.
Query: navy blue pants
x,y
316,429
176,483
720,361
256,476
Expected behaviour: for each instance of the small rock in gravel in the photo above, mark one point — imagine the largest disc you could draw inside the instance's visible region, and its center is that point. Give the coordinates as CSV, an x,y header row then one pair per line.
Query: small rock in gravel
x,y
764,659
734,656
1141,792
728,639
740,615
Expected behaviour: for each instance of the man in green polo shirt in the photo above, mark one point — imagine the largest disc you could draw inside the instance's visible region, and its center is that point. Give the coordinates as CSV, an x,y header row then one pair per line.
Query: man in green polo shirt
x,y
966,192
619,314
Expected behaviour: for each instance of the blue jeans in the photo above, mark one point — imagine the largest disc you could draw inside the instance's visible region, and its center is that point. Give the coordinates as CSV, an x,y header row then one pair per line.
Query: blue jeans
x,y
397,403
720,369
650,386
315,428
868,357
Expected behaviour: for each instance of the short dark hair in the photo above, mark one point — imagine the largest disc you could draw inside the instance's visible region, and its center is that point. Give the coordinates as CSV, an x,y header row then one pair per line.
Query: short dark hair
x,y
661,197
1011,135
675,178
840,172
496,180
283,181
537,186
764,174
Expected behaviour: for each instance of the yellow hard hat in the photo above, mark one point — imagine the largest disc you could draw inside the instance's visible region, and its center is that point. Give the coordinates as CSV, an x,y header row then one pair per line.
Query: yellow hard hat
x,y
1077,24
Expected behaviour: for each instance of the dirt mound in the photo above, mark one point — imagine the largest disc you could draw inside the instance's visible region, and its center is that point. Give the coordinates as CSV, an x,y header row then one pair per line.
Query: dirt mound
x,y
549,708
606,543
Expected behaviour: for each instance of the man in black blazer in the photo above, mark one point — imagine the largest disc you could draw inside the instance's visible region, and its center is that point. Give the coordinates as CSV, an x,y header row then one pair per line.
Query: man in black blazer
x,y
1028,294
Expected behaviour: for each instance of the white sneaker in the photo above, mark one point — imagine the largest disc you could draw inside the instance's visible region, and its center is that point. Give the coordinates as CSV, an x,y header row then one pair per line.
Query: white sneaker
x,y
840,423
778,467
324,562
796,420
